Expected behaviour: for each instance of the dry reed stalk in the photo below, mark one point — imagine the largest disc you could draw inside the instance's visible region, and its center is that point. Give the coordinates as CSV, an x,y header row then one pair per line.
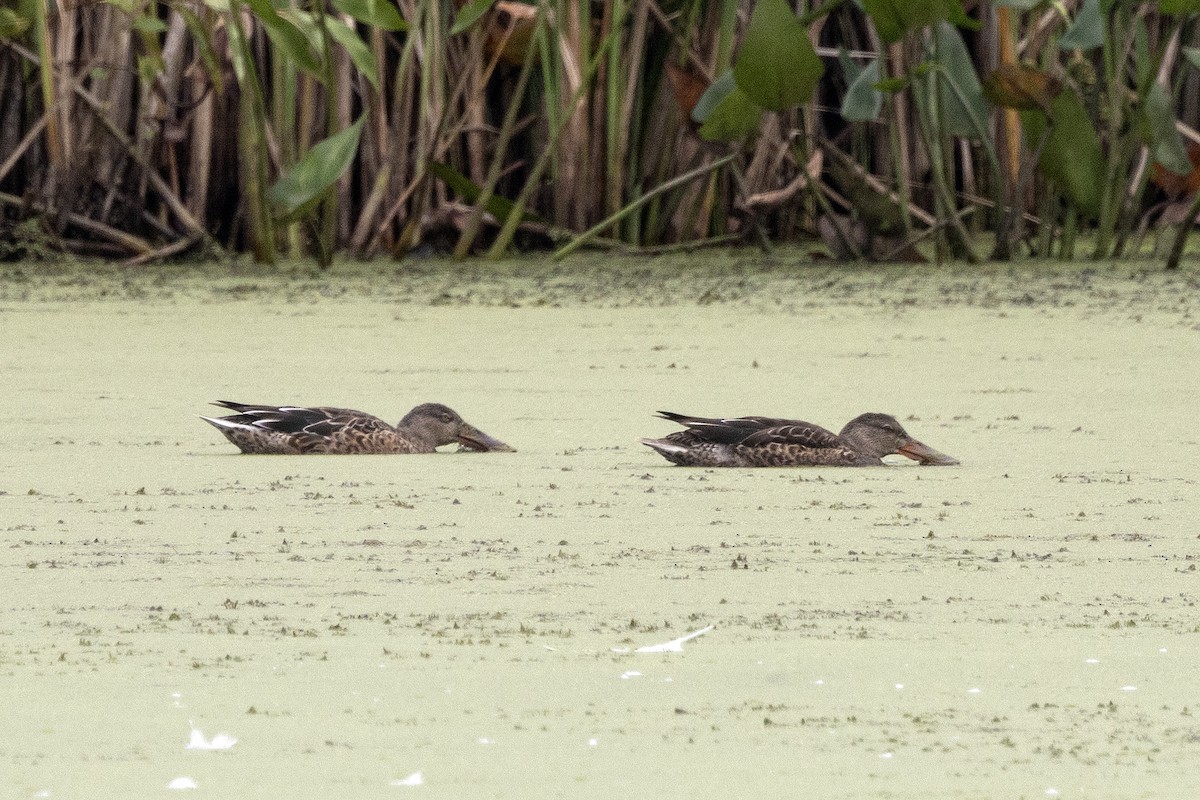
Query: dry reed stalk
x,y
340,120
126,241
631,92
18,150
110,45
152,153
57,50
375,143
11,115
572,154
167,251
475,104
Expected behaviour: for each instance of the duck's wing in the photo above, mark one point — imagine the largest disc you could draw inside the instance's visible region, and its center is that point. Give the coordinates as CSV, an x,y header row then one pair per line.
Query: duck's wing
x,y
311,421
794,433
756,431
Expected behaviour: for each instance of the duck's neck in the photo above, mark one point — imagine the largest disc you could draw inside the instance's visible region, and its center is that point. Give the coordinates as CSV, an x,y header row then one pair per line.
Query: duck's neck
x,y
864,446
415,434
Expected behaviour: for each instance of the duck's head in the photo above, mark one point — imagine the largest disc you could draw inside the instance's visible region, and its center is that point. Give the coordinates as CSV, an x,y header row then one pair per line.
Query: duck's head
x,y
439,424
879,435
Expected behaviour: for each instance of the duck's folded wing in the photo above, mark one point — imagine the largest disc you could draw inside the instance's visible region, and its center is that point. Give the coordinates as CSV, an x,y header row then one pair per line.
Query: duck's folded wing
x,y
288,419
736,430
330,421
793,433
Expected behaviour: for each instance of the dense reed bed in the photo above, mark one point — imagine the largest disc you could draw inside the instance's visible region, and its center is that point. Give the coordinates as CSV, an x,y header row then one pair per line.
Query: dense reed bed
x,y
144,129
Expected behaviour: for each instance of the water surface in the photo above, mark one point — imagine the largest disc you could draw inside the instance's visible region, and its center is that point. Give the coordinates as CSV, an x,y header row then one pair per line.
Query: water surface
x,y
1024,625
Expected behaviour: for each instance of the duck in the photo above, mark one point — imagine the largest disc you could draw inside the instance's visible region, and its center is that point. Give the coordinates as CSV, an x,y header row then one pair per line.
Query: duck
x,y
302,430
772,442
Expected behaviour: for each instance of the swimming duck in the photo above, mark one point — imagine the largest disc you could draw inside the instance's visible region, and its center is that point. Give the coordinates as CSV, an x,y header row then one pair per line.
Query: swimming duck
x,y
768,442
297,430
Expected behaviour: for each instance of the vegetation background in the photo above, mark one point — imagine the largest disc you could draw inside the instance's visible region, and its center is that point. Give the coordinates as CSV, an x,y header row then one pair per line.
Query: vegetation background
x,y
887,129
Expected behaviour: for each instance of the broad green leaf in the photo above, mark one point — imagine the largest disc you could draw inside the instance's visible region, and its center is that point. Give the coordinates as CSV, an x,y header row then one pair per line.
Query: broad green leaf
x,y
893,85
499,207
1072,155
1166,145
1021,87
863,101
850,68
921,69
1179,6
149,68
469,14
147,24
1087,31
355,47
713,95
315,172
1192,54
376,13
12,24
735,117
285,36
963,109
894,18
776,66
1142,60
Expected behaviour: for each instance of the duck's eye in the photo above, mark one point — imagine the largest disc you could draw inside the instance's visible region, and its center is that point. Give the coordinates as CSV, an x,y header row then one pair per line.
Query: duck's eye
x,y
447,418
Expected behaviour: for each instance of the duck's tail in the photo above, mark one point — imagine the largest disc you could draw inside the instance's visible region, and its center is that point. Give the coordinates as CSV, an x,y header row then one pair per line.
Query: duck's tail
x,y
671,451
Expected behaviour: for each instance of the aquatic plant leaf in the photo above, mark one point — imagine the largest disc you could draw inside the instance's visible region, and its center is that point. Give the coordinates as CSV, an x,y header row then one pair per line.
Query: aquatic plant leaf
x,y
12,24
687,86
510,31
315,172
893,85
1087,30
341,33
776,66
376,13
734,117
894,18
498,206
1021,87
469,14
713,95
1179,6
1166,144
863,101
286,37
354,46
1177,184
1072,155
145,23
964,111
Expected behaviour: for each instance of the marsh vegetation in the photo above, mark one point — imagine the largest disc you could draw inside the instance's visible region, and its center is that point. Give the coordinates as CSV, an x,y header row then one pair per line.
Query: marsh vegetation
x,y
1021,624
887,130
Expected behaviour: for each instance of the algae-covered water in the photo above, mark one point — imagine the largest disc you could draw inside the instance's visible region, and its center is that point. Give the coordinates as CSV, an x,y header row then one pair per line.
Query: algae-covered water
x,y
467,625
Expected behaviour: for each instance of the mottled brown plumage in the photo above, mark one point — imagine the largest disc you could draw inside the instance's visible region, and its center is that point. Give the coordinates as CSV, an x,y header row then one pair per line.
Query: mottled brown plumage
x,y
769,442
296,430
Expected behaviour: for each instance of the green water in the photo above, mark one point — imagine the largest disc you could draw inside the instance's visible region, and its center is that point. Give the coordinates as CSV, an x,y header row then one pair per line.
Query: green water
x,y
1025,622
